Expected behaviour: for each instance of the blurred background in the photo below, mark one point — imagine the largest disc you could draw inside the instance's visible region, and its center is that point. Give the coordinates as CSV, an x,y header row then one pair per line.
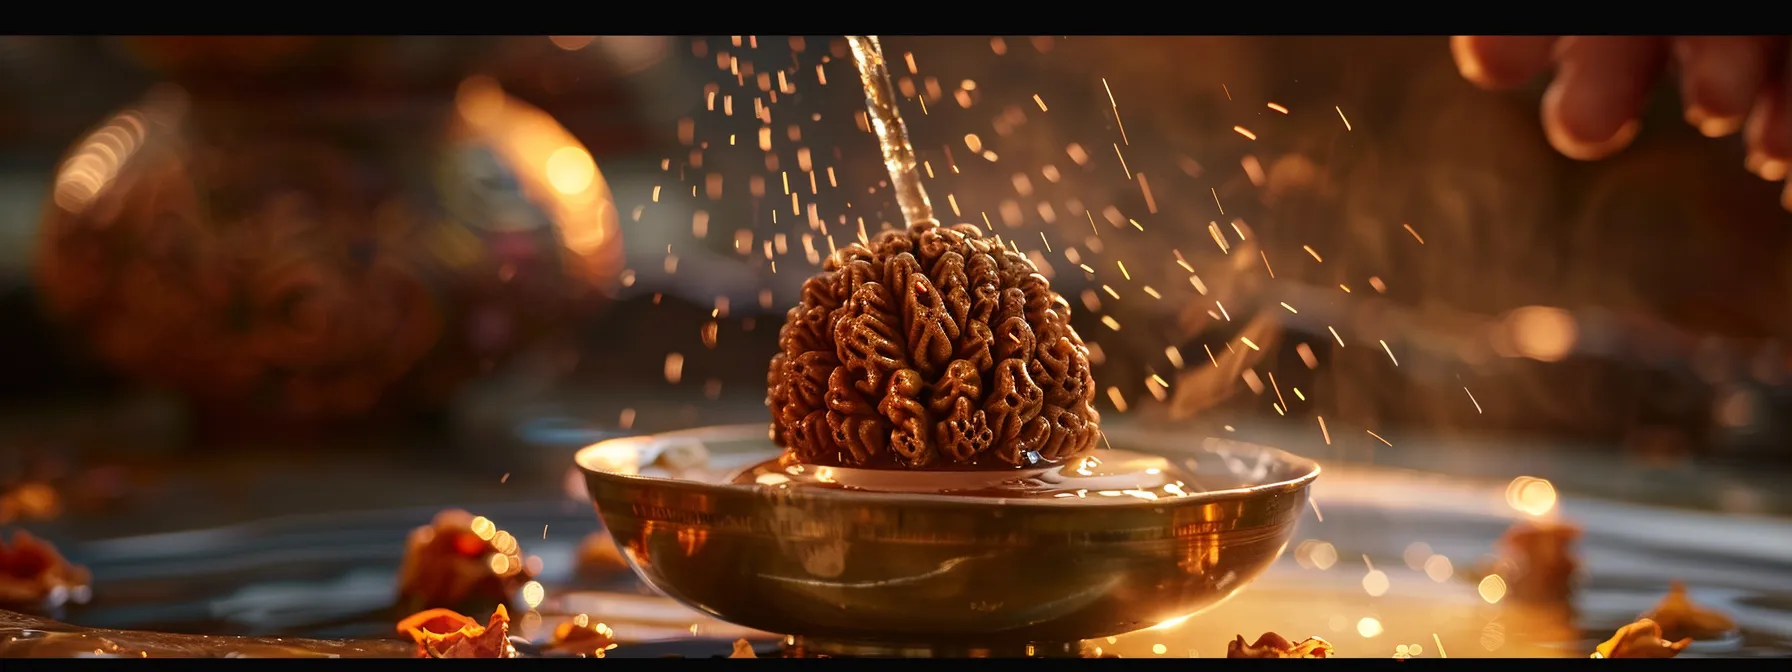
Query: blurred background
x,y
467,256
213,241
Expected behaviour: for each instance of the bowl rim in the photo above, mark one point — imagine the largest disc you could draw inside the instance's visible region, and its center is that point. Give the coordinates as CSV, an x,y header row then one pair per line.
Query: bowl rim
x,y
1308,469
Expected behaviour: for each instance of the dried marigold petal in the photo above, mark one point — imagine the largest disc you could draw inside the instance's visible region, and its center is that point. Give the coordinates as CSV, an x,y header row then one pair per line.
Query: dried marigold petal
x,y
1272,645
1681,618
1641,639
743,649
436,623
443,633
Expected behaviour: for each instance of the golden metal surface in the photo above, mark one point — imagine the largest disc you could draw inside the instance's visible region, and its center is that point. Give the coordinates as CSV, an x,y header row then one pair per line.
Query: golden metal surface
x,y
854,566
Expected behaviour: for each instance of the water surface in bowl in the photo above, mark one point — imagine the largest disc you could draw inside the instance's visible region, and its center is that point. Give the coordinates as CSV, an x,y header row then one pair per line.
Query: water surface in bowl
x,y
1103,475
1108,474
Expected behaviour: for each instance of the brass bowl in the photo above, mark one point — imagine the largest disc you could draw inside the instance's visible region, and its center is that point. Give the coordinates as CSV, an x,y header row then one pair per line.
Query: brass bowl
x,y
936,571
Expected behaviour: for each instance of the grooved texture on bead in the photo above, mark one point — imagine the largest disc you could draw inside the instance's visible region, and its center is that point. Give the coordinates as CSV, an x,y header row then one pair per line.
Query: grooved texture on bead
x,y
931,348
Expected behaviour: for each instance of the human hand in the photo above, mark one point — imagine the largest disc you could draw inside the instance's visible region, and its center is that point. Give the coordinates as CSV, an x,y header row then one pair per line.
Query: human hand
x,y
1727,84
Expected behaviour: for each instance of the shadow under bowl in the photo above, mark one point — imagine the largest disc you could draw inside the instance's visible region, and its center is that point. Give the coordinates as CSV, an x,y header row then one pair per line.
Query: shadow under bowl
x,y
858,566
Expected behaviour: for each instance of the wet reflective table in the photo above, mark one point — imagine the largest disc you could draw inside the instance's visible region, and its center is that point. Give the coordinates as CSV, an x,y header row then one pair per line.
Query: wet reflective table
x,y
332,575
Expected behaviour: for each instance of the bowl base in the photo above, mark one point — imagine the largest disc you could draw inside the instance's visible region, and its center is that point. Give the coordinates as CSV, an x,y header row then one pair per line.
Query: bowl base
x,y
883,567
809,647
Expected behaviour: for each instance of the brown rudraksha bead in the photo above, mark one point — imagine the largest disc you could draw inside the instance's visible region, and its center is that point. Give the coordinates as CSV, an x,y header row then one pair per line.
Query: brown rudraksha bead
x,y
931,348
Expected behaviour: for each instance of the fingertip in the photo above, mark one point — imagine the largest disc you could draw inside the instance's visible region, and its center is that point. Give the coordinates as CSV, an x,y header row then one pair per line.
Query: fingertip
x,y
1500,62
1773,170
1468,63
1768,132
1591,109
1765,167
1571,139
1786,197
1720,78
1710,125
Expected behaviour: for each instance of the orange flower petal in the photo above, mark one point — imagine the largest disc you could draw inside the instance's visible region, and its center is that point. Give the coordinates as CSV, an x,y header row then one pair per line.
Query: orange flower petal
x,y
439,623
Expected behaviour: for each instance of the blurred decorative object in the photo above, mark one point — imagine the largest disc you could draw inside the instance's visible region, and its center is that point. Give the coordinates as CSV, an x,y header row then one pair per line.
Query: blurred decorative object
x,y
460,561
1545,559
31,500
1681,618
319,255
35,577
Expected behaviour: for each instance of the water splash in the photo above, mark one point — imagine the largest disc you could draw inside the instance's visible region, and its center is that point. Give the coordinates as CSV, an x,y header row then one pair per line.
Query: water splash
x,y
892,136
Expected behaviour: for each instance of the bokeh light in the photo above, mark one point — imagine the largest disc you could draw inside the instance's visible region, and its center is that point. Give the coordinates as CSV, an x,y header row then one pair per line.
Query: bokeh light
x,y
1416,554
1438,568
1316,554
1375,583
1531,495
1492,588
571,170
1542,333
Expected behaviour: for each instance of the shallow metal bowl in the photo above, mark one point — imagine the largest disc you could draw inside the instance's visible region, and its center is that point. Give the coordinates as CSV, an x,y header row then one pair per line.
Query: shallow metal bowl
x,y
853,566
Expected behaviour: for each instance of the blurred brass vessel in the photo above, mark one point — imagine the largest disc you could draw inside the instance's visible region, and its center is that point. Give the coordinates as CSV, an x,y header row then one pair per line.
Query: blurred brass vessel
x,y
905,574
